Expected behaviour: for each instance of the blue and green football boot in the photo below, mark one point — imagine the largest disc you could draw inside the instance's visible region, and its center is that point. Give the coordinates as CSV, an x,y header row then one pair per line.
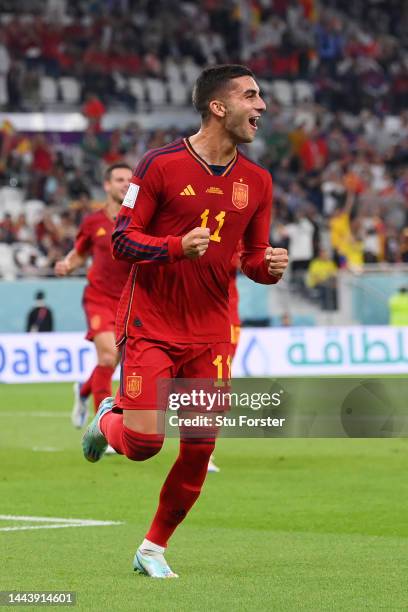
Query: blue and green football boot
x,y
154,565
94,443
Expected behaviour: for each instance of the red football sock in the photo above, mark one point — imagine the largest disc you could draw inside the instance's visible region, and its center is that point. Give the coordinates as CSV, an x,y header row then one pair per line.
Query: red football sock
x,y
136,446
181,488
101,384
111,425
86,387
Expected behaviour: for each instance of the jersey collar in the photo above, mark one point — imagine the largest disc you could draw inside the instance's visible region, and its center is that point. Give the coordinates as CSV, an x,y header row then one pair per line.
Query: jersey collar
x,y
204,164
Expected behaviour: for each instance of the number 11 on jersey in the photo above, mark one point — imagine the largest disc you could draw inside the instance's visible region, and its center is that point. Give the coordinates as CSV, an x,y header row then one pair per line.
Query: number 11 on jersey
x,y
215,236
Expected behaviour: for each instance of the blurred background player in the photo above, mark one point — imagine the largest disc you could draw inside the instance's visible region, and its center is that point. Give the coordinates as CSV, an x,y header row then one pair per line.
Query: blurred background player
x,y
106,279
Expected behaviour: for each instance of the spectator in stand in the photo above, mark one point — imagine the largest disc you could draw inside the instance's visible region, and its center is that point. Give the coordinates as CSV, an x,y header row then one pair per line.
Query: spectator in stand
x,y
42,156
4,56
94,110
40,318
7,230
398,305
14,86
300,234
77,184
23,231
313,152
403,251
340,230
93,147
321,279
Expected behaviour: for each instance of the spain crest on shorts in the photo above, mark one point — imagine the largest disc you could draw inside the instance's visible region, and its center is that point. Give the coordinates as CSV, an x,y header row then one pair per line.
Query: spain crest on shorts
x,y
133,386
240,194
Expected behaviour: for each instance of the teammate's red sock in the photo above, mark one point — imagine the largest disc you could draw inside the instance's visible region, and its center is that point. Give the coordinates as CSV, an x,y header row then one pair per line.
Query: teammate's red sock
x,y
136,446
86,387
101,384
181,488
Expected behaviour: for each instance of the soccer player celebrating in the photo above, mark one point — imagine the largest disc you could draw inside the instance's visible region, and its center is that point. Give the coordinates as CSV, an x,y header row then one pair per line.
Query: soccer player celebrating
x,y
106,279
187,207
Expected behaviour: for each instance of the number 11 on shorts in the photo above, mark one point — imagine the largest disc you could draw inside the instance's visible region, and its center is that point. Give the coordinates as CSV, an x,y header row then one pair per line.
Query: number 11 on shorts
x,y
218,363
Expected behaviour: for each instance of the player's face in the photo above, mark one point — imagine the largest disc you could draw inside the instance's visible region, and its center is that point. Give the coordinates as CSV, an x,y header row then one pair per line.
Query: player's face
x,y
243,108
118,184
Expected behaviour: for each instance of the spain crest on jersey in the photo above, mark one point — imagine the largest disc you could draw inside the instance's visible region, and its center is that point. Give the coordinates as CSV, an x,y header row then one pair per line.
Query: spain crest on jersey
x,y
240,195
133,386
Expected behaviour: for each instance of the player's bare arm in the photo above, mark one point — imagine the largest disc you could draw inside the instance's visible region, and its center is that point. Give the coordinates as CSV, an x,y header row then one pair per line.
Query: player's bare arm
x,y
196,242
71,262
277,260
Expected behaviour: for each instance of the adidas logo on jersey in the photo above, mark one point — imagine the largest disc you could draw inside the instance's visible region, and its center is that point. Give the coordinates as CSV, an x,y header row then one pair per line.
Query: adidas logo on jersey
x,y
188,191
101,232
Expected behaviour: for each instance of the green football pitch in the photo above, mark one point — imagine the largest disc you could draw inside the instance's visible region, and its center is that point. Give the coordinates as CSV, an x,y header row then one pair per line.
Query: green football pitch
x,y
288,524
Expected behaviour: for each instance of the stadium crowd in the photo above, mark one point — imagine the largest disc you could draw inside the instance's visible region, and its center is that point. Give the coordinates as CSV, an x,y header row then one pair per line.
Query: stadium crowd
x,y
341,182
354,54
340,176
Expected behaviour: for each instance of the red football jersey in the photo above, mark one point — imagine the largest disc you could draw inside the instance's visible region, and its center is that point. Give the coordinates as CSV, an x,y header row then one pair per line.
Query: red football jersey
x,y
233,291
106,275
173,190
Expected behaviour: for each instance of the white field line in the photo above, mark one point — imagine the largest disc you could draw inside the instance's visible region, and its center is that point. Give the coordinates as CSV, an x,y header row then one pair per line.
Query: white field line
x,y
52,523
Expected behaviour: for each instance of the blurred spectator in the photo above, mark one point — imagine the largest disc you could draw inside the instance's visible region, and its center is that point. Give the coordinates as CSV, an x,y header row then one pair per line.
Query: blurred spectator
x,y
300,235
286,320
313,152
14,82
22,230
77,184
321,280
42,156
403,249
93,109
4,56
398,305
40,318
7,230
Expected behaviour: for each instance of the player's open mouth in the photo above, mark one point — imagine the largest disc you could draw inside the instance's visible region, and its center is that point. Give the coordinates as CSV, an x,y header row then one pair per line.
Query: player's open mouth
x,y
254,121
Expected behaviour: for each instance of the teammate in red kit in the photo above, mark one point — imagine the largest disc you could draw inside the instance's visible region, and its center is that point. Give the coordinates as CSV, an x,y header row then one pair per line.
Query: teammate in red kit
x,y
187,207
106,279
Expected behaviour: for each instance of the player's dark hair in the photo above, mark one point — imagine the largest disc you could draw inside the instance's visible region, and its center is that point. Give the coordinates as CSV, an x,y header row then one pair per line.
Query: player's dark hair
x,y
212,81
112,167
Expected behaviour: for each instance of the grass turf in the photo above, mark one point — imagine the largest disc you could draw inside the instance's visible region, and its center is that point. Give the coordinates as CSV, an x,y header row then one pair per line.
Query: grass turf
x,y
288,524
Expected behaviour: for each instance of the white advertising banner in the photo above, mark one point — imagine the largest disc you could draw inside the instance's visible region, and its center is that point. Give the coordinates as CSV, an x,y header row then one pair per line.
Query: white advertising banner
x,y
45,357
312,351
317,351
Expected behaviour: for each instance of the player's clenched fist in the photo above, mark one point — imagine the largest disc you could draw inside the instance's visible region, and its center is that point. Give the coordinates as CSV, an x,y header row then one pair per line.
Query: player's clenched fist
x,y
62,268
196,242
277,260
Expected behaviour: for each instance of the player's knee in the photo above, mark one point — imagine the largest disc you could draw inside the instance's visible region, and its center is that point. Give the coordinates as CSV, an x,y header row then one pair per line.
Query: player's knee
x,y
140,446
197,450
107,359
